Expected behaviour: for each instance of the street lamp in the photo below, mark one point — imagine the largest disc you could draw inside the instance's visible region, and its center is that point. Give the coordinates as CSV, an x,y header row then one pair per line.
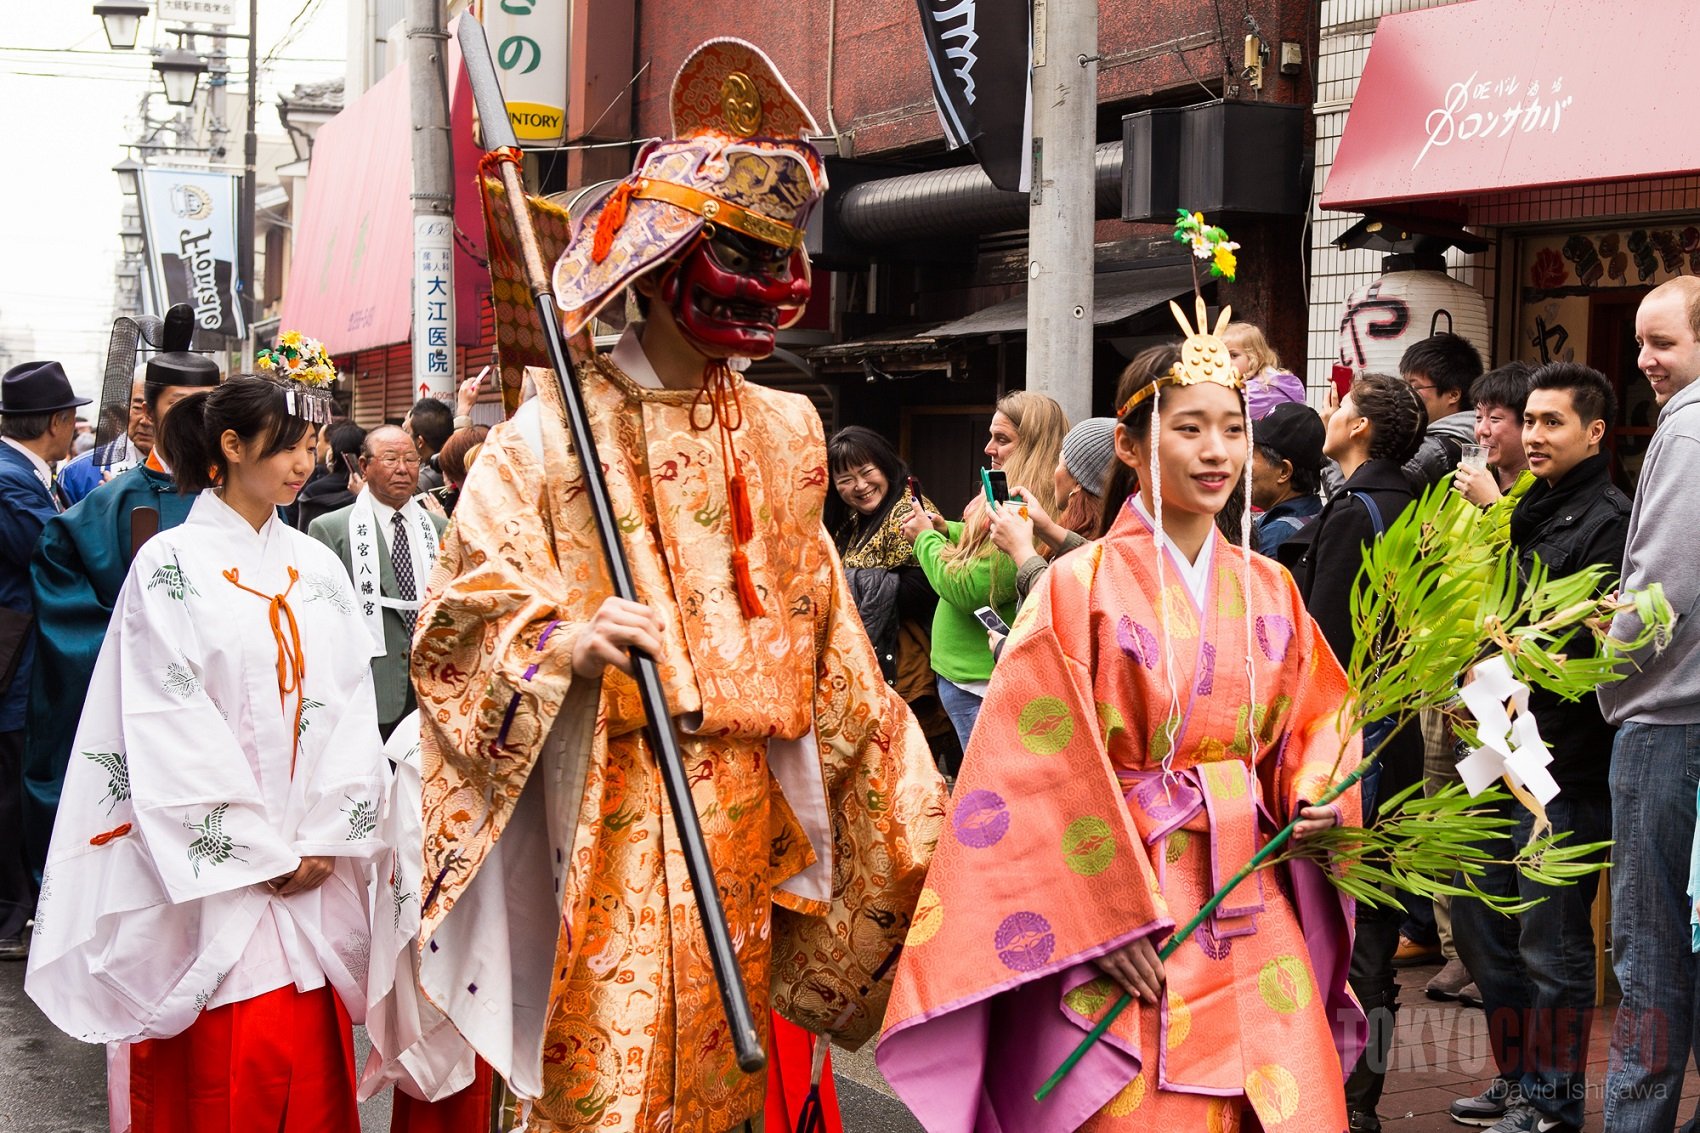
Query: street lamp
x,y
129,176
180,71
134,242
122,20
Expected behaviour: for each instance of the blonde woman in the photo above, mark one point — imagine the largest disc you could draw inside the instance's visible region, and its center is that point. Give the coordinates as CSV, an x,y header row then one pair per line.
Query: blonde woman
x,y
968,572
1266,383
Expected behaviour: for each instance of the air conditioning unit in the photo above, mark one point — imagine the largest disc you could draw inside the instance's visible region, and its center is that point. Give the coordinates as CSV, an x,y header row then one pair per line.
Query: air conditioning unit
x,y
1218,158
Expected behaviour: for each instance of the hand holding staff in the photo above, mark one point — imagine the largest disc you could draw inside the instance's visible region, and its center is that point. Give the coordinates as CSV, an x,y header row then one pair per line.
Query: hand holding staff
x,y
499,137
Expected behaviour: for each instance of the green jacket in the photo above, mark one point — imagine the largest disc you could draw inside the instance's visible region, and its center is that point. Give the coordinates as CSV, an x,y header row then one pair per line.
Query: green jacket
x,y
960,653
389,672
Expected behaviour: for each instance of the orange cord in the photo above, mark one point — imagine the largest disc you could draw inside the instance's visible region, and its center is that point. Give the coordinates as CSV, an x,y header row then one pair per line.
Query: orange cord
x,y
291,661
486,175
720,394
103,839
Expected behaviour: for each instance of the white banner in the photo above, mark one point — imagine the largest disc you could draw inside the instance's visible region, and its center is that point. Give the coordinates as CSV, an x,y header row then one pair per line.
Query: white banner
x,y
219,12
529,41
433,308
190,220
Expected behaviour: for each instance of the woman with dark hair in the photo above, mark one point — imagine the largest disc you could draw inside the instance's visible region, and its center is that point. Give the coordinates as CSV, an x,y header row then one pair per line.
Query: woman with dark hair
x,y
1377,428
205,895
1162,699
865,513
329,488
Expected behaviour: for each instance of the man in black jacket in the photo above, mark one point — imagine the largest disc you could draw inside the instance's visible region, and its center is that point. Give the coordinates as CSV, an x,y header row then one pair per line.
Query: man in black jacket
x,y
1377,427
1536,971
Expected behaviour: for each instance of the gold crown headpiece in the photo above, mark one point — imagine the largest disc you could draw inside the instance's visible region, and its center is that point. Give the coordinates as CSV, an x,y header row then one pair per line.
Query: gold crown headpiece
x,y
1204,356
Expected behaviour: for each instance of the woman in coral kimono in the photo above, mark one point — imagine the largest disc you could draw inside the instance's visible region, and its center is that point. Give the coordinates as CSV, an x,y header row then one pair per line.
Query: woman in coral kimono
x,y
205,895
1126,763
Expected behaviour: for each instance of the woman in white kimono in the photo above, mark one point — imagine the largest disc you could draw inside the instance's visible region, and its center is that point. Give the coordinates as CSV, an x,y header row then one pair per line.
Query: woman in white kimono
x,y
205,896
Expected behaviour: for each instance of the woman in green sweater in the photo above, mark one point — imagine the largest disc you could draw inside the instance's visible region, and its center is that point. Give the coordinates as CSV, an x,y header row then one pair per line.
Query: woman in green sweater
x,y
963,566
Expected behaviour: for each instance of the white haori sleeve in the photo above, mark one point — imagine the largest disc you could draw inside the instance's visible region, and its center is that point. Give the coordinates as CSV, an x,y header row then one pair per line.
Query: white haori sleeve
x,y
340,779
148,898
208,826
414,1046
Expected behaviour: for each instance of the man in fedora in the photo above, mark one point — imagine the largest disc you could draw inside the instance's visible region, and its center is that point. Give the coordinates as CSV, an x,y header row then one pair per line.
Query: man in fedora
x,y
38,422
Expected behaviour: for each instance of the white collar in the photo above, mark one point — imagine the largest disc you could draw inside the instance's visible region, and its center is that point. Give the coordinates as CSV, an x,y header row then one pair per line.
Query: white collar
x,y
1195,572
633,362
383,511
42,469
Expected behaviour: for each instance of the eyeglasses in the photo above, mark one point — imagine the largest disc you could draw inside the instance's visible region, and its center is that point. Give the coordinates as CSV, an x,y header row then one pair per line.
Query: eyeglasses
x,y
1415,388
394,460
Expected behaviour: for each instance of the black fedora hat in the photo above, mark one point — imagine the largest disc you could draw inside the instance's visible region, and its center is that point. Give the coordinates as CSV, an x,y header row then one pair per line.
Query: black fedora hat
x,y
37,387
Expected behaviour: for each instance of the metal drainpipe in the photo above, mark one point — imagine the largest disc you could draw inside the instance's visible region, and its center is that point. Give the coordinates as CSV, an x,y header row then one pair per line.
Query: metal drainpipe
x,y
956,202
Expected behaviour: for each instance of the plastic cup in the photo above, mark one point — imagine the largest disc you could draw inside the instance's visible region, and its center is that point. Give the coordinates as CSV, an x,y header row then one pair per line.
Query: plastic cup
x,y
1474,456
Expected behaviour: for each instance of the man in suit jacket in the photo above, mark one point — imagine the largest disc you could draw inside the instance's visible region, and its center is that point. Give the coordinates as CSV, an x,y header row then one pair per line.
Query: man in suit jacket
x,y
38,422
389,544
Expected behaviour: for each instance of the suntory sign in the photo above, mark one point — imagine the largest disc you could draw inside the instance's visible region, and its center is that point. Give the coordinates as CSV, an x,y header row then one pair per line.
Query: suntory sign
x,y
529,41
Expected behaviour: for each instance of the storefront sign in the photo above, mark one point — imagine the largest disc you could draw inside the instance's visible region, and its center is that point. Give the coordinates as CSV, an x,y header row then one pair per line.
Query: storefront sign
x,y
433,307
529,41
190,220
1464,100
221,13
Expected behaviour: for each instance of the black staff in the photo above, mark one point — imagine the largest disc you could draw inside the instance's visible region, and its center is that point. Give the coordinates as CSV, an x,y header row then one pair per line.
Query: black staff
x,y
499,136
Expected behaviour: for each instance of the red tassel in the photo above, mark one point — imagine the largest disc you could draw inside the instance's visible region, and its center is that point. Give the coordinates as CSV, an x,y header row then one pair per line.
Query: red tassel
x,y
743,524
749,602
608,224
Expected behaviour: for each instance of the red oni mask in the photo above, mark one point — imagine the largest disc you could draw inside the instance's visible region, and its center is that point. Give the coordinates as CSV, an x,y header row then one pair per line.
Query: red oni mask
x,y
731,294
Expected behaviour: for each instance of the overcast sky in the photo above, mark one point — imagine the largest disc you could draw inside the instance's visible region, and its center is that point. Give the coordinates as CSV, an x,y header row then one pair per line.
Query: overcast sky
x,y
71,103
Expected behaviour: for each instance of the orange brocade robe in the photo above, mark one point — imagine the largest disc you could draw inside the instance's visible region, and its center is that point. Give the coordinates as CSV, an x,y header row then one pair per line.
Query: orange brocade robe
x,y
1068,841
559,932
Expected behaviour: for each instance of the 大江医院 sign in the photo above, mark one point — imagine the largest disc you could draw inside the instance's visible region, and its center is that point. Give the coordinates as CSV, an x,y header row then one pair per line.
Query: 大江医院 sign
x,y
190,217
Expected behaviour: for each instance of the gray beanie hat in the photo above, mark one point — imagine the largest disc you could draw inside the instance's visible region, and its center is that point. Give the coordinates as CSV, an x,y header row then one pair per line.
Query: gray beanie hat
x,y
1088,450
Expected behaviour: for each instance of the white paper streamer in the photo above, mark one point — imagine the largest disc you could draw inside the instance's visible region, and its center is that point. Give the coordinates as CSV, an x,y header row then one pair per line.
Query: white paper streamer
x,y
1511,747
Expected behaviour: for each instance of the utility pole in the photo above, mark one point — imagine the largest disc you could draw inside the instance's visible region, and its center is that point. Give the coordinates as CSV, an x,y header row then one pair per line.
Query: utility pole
x,y
433,203
1061,205
250,158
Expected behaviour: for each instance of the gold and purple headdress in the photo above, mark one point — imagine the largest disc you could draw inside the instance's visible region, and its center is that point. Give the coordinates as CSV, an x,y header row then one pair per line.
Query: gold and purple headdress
x,y
737,160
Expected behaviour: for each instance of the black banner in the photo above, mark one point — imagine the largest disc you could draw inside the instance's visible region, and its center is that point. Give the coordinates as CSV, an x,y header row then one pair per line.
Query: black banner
x,y
981,56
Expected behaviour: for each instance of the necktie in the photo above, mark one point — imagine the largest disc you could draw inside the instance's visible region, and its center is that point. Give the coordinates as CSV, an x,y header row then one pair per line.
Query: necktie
x,y
401,558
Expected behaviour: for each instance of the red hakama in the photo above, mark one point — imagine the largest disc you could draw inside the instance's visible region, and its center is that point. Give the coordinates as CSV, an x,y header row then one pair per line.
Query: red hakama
x,y
281,1061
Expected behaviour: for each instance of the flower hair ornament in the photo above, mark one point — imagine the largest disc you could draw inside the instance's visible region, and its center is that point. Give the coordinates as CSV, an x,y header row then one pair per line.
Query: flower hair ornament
x,y
1204,356
303,367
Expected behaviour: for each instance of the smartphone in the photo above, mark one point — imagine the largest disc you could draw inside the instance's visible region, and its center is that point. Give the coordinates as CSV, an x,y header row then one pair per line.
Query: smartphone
x,y
989,618
915,491
996,484
1342,376
352,463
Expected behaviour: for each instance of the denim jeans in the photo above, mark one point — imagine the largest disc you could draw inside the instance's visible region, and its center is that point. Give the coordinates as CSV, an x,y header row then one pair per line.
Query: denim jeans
x,y
1536,969
963,708
1654,772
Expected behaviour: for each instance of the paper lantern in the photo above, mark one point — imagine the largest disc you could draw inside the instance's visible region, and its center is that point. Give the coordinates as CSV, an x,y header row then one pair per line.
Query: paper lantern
x,y
1403,307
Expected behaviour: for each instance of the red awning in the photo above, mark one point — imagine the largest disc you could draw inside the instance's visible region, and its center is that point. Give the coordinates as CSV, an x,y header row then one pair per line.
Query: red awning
x,y
350,282
1494,95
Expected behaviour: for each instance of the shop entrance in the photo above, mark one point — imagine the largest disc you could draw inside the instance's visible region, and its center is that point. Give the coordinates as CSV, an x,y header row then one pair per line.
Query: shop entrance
x,y
1612,351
